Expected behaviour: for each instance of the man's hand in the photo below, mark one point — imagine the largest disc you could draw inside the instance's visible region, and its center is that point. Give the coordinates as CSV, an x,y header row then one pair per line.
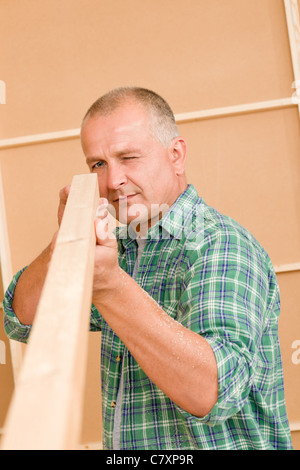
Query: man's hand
x,y
106,253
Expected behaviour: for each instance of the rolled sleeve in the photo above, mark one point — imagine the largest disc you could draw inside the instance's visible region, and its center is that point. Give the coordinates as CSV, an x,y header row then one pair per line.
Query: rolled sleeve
x,y
225,301
13,327
15,330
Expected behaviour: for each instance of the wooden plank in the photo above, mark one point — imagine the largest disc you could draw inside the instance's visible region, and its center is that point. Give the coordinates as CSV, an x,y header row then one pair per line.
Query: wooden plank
x,y
295,426
55,136
2,92
285,268
46,409
293,25
5,256
6,274
235,110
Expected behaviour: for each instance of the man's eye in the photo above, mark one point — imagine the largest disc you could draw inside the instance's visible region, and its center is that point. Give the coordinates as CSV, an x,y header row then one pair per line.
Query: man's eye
x,y
97,165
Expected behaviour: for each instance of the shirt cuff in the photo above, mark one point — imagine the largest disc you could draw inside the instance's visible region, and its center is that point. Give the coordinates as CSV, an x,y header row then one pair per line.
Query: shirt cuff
x,y
235,370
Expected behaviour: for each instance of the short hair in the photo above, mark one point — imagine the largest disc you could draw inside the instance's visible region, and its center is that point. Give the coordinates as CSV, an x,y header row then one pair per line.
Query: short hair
x,y
162,123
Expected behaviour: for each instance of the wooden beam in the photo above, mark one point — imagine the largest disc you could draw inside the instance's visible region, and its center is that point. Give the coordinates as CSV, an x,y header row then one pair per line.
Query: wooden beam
x,y
225,111
180,118
295,426
46,409
285,268
6,274
293,25
2,92
5,255
42,138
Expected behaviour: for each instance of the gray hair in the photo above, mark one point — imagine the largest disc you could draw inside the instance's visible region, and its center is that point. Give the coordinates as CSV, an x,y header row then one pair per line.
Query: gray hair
x,y
162,123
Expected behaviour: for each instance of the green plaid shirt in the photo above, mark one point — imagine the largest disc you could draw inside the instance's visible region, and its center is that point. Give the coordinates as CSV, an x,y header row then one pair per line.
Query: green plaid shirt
x,y
212,276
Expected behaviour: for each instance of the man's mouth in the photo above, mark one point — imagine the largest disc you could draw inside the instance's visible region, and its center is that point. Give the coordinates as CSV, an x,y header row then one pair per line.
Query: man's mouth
x,y
124,198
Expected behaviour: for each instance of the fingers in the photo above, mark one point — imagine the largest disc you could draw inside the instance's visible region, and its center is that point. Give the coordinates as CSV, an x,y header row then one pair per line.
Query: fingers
x,y
63,197
64,193
103,231
102,207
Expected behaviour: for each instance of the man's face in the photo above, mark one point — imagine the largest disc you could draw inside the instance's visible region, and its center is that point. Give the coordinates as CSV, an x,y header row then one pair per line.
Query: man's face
x,y
135,172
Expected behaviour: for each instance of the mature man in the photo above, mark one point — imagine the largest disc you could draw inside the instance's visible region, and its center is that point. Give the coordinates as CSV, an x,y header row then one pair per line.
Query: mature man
x,y
186,299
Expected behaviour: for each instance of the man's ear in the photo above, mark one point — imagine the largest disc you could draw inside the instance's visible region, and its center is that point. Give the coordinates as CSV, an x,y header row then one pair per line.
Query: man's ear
x,y
178,151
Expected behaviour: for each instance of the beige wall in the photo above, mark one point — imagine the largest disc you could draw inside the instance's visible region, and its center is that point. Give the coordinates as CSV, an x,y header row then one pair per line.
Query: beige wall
x,y
58,57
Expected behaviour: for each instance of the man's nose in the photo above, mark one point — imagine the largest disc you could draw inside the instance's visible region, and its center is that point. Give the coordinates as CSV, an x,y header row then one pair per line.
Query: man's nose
x,y
116,177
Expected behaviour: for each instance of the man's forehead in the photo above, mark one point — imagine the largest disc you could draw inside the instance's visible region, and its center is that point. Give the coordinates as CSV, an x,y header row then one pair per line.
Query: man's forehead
x,y
119,130
131,114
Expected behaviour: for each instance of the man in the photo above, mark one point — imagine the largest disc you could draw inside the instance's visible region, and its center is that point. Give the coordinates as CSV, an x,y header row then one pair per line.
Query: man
x,y
186,299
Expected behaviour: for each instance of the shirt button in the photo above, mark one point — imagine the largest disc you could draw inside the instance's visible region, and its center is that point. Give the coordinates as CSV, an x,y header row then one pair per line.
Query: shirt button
x,y
118,358
113,404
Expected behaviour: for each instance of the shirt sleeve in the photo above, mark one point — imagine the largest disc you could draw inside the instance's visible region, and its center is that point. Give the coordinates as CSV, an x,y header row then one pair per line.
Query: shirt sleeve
x,y
16,330
13,327
226,299
95,320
